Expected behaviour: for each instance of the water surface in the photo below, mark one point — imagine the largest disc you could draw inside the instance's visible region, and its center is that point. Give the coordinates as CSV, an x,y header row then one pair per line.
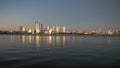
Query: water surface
x,y
35,51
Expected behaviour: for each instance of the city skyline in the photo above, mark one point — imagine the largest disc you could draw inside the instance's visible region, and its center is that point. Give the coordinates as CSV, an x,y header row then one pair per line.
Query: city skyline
x,y
74,14
39,29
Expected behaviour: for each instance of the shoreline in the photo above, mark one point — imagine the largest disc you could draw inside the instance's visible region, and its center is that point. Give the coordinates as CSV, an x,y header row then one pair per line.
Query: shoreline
x,y
62,34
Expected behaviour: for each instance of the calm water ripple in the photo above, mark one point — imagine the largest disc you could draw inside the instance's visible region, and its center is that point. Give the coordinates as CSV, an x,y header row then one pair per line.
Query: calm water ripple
x,y
34,51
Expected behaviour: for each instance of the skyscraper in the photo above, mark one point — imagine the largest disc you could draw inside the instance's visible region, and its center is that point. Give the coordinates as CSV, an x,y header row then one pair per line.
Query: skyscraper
x,y
48,27
37,27
110,32
64,29
53,29
22,29
41,28
57,29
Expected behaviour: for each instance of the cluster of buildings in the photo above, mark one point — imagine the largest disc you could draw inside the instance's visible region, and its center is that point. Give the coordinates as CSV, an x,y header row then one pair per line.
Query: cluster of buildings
x,y
97,32
39,29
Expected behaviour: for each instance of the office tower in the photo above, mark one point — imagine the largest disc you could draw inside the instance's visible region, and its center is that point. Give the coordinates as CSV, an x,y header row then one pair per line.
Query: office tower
x,y
53,29
50,31
57,29
37,27
41,28
29,31
33,31
64,29
22,29
48,27
110,32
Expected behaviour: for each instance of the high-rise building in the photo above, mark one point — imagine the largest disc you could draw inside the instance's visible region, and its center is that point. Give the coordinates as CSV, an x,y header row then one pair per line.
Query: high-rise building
x,y
29,31
110,32
37,27
41,28
53,29
33,31
50,31
48,27
57,29
22,29
64,29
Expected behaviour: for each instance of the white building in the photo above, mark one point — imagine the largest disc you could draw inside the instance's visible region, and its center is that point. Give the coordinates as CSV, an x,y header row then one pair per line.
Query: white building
x,y
37,27
57,29
22,29
64,29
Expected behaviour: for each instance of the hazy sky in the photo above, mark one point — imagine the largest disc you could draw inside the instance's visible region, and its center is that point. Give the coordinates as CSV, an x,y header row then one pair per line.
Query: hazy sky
x,y
74,14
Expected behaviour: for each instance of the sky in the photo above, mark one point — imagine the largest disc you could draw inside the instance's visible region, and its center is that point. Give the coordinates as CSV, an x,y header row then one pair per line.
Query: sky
x,y
74,14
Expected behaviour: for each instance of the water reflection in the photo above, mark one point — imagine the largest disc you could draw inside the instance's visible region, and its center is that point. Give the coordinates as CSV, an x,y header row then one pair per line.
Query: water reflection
x,y
45,41
62,41
49,41
30,38
58,41
23,39
37,41
51,49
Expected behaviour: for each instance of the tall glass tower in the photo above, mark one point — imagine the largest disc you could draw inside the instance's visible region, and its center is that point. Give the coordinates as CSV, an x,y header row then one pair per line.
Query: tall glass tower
x,y
37,27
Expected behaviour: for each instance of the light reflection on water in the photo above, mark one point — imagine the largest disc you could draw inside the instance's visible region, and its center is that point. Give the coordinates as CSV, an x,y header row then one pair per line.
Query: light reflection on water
x,y
39,41
73,51
59,41
62,41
